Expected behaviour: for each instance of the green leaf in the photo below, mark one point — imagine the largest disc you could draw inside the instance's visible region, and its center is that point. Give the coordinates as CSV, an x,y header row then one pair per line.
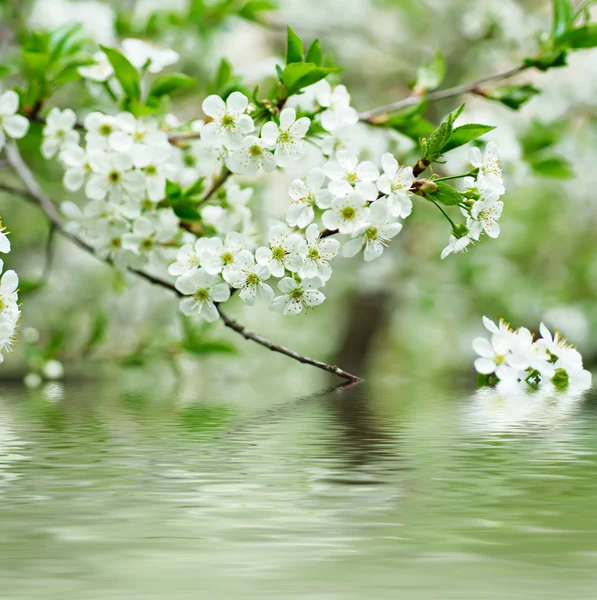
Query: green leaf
x,y
583,37
415,129
299,75
563,14
553,166
547,60
513,96
60,38
126,74
446,194
164,85
70,71
173,191
99,328
251,9
430,75
5,71
439,138
294,49
465,134
540,136
314,53
196,189
223,76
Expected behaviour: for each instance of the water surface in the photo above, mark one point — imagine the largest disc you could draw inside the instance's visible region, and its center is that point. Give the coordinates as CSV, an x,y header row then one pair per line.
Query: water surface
x,y
401,491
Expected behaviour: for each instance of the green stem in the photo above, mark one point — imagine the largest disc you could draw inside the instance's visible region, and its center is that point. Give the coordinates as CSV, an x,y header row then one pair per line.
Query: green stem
x,y
112,95
581,8
453,177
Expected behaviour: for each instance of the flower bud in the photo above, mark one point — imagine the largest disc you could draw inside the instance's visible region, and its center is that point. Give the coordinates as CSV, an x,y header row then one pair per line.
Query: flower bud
x,y
428,187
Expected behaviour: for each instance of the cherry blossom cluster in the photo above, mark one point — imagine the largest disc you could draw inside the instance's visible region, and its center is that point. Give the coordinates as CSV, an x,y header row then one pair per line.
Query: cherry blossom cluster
x,y
127,166
482,208
9,301
514,356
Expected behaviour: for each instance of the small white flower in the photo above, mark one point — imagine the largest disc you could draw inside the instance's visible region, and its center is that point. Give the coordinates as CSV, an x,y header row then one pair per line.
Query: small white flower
x,y
157,168
150,233
395,183
101,71
100,128
490,172
304,195
249,278
76,161
456,245
297,295
374,234
141,53
338,111
287,139
229,122
188,258
484,216
250,157
346,174
59,131
113,176
205,291
11,124
285,251
4,241
319,253
8,294
221,256
346,213
136,135
492,355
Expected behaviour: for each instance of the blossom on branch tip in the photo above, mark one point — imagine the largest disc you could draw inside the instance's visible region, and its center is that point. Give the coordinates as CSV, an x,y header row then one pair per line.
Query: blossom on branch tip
x,y
284,252
338,113
249,278
253,154
395,183
205,291
297,295
221,256
320,251
346,213
230,123
59,132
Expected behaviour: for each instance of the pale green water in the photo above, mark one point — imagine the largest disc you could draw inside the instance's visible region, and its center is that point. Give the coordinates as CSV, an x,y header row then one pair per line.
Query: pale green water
x,y
403,492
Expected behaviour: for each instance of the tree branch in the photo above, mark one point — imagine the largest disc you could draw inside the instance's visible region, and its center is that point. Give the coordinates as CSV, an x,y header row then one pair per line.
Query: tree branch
x,y
369,116
34,194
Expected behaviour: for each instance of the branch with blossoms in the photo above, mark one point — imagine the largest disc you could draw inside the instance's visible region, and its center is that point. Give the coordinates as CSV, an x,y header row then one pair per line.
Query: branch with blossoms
x,y
155,194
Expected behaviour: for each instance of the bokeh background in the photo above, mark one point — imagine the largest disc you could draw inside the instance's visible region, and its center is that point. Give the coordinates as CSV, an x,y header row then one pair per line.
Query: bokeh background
x,y
407,314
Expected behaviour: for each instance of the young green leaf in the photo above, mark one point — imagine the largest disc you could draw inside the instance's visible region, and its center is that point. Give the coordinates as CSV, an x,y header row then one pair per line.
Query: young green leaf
x,y
512,96
294,49
196,189
583,37
430,75
299,75
314,53
166,84
445,194
223,76
126,74
465,134
563,14
252,9
185,209
556,167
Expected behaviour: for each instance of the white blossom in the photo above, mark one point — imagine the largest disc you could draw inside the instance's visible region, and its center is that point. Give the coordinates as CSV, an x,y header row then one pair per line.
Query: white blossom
x,y
4,241
252,155
230,123
188,258
484,217
346,174
306,194
113,176
297,295
221,256
346,213
285,251
395,183
338,111
100,71
12,125
76,161
59,132
456,245
205,291
136,136
320,251
490,172
249,278
99,128
142,53
374,234
287,138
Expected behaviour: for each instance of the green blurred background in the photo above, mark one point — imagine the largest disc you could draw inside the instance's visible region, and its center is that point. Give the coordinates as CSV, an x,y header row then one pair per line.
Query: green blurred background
x,y
407,314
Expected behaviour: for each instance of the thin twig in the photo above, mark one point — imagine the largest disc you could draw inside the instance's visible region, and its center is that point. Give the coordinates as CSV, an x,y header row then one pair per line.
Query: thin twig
x,y
216,185
439,95
34,193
